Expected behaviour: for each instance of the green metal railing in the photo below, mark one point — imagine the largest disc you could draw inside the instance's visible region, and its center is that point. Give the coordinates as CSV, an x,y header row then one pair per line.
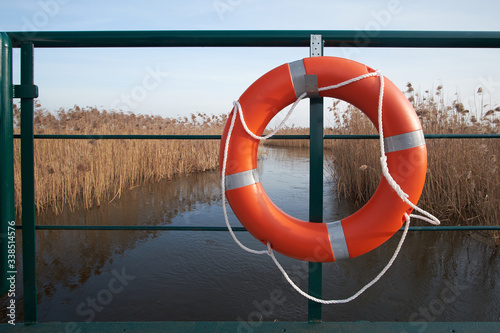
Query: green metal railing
x,y
7,212
27,91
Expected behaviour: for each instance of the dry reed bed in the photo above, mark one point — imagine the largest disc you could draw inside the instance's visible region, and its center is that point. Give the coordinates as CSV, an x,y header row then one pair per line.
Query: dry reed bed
x,y
463,179
72,172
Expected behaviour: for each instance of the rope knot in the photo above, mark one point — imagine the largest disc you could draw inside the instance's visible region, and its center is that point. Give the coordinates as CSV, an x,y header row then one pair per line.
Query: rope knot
x,y
269,249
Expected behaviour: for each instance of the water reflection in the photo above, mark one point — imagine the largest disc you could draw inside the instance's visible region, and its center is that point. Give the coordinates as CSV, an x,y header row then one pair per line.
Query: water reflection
x,y
179,275
447,274
68,259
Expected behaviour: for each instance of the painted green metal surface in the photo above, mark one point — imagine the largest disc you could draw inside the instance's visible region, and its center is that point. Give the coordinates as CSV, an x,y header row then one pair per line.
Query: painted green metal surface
x,y
150,136
315,282
25,91
316,161
217,137
137,227
253,38
28,189
6,164
462,136
427,136
255,327
239,229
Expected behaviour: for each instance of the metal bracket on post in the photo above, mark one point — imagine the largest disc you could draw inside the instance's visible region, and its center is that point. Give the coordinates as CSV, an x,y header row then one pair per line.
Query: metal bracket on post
x,y
25,91
312,86
316,50
316,46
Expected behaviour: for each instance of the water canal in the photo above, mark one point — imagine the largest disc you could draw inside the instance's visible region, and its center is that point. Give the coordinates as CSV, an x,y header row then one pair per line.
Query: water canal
x,y
187,275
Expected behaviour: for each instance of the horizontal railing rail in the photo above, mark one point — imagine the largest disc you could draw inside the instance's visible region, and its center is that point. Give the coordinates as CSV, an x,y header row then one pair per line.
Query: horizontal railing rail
x,y
257,38
202,228
218,137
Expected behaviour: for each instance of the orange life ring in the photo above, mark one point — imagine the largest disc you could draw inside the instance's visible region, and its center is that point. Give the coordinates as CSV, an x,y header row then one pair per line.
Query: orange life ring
x,y
371,225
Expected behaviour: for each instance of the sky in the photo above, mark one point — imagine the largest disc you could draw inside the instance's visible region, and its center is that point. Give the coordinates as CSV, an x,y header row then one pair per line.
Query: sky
x,y
174,82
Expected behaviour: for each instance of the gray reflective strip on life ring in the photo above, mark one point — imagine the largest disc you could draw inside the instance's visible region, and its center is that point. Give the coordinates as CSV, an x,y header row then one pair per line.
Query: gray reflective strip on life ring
x,y
241,179
404,141
337,239
298,74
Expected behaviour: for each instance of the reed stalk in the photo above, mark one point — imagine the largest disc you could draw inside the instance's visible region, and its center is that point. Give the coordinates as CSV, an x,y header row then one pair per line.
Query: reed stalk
x,y
92,172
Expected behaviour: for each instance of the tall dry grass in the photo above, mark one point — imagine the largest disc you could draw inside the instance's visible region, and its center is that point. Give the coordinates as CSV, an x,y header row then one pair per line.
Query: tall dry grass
x,y
92,172
289,130
463,180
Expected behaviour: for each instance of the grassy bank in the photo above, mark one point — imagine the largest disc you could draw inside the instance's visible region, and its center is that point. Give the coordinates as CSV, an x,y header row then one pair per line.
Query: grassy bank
x,y
92,172
463,179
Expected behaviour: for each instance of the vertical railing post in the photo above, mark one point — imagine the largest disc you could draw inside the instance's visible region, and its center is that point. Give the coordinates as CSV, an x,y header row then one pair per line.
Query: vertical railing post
x,y
315,184
28,186
7,212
